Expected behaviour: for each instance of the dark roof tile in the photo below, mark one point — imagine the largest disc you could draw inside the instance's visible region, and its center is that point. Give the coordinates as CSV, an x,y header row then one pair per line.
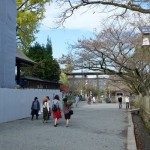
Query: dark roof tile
x,y
22,57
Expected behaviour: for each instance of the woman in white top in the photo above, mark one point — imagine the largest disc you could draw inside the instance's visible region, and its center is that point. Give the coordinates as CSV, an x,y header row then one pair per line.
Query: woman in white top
x,y
127,102
45,110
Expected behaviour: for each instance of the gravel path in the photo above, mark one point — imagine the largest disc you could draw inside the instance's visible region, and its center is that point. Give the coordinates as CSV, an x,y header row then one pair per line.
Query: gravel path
x,y
92,127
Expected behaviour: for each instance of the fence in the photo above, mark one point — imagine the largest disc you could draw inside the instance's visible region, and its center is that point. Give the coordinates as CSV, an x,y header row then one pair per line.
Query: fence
x,y
144,104
16,103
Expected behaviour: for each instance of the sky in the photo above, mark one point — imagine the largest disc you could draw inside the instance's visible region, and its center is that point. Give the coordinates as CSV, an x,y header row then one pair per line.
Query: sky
x,y
82,24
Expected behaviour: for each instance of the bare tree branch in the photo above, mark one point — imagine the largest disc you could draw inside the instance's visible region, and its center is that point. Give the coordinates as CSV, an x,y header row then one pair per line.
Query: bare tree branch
x,y
113,52
142,6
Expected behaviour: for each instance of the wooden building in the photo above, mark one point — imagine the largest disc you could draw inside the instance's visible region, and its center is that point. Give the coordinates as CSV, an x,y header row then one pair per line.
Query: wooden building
x,y
28,81
21,59
36,83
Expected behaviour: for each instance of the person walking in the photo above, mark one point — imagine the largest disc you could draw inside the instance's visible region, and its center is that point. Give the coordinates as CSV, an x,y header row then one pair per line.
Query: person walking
x,y
56,110
66,109
94,100
77,100
89,100
127,102
49,103
35,107
45,109
120,102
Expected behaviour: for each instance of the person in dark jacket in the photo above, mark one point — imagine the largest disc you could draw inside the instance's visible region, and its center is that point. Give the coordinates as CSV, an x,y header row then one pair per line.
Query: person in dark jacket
x,y
66,109
120,102
35,107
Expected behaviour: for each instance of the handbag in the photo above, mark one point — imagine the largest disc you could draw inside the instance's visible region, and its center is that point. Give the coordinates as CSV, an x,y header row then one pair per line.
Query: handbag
x,y
71,112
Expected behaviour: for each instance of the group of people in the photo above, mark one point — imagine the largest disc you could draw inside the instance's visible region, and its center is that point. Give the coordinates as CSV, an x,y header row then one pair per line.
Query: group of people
x,y
126,101
91,100
52,108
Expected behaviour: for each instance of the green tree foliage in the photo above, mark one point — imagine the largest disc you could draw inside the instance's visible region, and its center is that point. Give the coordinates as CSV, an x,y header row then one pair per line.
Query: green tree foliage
x,y
29,13
67,60
64,79
47,67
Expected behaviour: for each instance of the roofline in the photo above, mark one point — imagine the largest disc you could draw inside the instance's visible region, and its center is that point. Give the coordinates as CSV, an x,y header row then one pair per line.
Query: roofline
x,y
25,61
84,73
20,56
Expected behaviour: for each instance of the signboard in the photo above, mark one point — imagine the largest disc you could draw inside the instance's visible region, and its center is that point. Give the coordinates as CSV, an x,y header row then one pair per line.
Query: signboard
x,y
146,41
145,30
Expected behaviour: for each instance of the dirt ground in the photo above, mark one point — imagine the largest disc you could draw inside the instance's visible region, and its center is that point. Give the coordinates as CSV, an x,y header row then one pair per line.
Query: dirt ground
x,y
142,135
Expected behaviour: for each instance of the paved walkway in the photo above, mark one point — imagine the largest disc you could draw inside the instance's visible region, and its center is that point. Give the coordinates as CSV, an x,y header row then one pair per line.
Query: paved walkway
x,y
93,127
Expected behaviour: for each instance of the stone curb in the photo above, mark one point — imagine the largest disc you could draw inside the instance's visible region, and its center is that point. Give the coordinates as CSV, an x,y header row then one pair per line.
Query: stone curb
x,y
131,143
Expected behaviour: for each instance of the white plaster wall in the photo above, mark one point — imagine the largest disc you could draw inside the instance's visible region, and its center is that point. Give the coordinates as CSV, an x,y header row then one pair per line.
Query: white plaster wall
x,y
7,43
16,103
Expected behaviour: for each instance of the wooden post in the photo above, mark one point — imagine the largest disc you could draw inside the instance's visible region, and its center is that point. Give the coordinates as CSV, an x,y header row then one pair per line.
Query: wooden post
x,y
18,73
97,78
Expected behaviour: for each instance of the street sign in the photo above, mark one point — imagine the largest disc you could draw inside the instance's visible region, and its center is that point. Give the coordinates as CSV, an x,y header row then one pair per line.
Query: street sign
x,y
145,29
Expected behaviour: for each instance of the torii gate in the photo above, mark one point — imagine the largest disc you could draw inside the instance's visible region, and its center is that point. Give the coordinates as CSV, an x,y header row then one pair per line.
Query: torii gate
x,y
84,76
7,43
